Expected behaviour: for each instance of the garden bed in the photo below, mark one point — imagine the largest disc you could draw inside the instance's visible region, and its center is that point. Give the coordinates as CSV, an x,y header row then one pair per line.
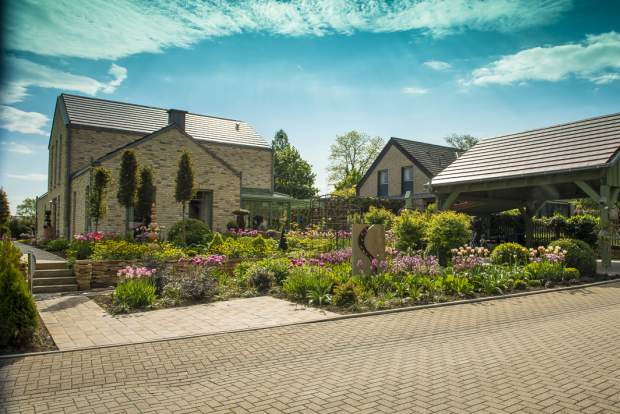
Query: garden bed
x,y
41,341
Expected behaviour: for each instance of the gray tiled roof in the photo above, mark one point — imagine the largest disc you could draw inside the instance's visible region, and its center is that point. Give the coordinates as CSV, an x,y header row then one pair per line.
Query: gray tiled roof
x,y
589,143
432,157
96,112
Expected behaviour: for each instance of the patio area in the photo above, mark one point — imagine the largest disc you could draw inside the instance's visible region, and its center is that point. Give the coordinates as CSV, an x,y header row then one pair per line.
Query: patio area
x,y
76,321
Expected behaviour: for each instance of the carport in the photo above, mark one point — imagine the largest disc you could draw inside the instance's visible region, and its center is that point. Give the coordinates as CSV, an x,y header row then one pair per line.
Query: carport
x,y
523,170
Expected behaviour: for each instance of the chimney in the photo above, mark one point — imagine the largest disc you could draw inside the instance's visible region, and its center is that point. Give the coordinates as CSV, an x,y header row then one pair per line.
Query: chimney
x,y
177,117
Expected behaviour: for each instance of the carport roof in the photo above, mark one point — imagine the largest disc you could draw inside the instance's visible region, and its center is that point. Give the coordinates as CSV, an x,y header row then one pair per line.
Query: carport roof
x,y
588,144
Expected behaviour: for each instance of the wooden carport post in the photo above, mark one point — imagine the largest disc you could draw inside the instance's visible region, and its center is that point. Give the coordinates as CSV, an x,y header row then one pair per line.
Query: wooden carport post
x,y
605,200
528,213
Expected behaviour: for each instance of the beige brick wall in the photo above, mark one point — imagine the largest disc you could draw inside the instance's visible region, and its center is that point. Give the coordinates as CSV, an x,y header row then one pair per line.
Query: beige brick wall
x,y
79,196
255,164
87,144
393,161
162,153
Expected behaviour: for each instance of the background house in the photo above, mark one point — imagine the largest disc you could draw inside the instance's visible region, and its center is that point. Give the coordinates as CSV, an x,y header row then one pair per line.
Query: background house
x,y
229,158
405,165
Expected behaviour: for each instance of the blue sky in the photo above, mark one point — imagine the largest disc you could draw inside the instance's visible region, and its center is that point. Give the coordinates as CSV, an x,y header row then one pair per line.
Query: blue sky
x,y
413,69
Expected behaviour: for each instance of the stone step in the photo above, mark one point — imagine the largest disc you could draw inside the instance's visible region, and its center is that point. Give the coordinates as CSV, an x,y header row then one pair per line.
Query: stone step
x,y
51,265
53,281
54,289
52,273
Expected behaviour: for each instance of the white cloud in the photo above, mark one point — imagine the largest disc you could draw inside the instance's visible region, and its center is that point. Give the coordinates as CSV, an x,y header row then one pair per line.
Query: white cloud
x,y
597,59
438,65
412,90
28,177
24,74
16,120
19,148
111,29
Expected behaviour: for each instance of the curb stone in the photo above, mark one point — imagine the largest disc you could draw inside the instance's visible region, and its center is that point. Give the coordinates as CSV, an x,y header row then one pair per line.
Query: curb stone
x,y
331,319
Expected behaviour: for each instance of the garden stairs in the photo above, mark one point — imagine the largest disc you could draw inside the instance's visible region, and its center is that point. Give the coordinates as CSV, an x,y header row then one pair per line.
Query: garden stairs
x,y
53,277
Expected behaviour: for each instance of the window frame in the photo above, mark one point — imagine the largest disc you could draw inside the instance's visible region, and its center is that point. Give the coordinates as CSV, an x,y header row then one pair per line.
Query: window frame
x,y
406,185
386,191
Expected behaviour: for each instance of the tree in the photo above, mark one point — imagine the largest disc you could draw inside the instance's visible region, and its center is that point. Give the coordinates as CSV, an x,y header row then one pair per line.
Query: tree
x,y
350,156
280,141
292,174
462,142
98,195
27,212
185,181
146,196
128,184
5,212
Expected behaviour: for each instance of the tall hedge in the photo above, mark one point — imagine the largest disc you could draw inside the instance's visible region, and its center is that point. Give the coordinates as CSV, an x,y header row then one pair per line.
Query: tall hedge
x,y
98,203
445,231
5,214
146,196
18,314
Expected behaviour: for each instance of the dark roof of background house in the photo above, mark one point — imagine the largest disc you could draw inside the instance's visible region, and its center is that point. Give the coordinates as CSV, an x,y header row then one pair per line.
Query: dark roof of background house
x,y
123,116
434,158
590,143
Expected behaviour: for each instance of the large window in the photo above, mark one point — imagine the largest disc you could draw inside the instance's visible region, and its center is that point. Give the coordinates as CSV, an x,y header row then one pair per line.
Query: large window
x,y
407,180
201,207
382,181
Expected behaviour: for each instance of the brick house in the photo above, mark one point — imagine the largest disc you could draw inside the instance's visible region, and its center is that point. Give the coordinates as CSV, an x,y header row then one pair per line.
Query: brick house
x,y
229,158
404,165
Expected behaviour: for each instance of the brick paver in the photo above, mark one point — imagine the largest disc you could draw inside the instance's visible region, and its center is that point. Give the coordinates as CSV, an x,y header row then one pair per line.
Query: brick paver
x,y
554,352
75,321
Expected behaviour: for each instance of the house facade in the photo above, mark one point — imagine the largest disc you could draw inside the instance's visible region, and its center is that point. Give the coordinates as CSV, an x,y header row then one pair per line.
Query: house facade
x,y
405,166
229,159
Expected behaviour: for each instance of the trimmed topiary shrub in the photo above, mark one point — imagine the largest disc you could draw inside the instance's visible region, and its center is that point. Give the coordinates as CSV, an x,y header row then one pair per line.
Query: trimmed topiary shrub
x,y
196,232
579,255
510,254
18,314
570,273
447,230
409,229
583,227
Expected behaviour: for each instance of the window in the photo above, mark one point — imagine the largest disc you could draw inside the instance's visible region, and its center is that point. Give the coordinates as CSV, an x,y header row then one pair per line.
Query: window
x,y
201,207
382,181
406,180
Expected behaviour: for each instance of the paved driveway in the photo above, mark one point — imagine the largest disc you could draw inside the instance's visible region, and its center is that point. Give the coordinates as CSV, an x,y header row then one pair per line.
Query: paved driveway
x,y
553,352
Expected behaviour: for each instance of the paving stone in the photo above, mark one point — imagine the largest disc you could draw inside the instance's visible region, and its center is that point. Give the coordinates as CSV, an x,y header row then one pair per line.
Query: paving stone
x,y
553,352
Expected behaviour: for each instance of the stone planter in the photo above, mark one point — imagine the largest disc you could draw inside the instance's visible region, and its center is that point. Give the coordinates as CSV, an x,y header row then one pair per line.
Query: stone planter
x,y
83,270
104,271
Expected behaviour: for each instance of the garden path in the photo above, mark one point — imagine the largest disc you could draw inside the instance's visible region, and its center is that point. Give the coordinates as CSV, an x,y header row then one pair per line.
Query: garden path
x,y
75,321
41,255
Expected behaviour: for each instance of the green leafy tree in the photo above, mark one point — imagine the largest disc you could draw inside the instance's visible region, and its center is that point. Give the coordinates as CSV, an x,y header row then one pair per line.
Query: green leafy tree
x,y
5,212
27,212
462,142
184,184
99,195
146,196
292,174
128,184
18,314
350,156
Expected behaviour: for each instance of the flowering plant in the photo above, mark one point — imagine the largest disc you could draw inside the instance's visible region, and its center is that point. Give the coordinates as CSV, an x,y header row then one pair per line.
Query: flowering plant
x,y
548,254
91,236
147,233
134,272
416,264
337,256
210,260
467,257
243,232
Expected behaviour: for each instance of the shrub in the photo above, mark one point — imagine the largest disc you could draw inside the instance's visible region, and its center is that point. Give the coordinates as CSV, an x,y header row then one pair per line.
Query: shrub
x,y
320,289
544,271
534,282
125,250
409,229
510,253
18,314
298,283
134,293
261,278
578,255
583,227
195,282
519,284
445,231
379,216
345,294
279,267
196,232
57,245
570,273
